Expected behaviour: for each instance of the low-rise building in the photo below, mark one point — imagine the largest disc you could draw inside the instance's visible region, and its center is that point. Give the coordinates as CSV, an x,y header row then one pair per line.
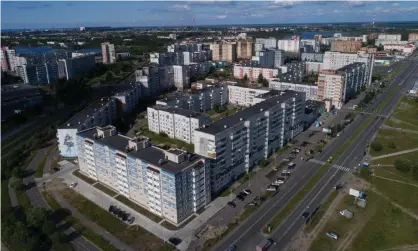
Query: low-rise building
x,y
253,72
237,143
312,57
313,67
175,122
310,90
172,184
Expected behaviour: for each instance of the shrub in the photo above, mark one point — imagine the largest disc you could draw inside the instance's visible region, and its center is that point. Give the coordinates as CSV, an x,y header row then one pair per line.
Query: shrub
x,y
376,146
402,165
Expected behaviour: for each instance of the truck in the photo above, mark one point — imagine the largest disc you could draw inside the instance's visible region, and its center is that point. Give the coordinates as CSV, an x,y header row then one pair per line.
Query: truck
x,y
264,245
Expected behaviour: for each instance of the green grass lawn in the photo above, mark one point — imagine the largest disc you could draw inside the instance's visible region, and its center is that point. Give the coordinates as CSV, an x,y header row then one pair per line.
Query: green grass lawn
x,y
86,232
138,208
402,194
405,115
84,177
412,156
23,200
391,173
320,213
389,227
40,167
105,189
158,139
135,236
401,140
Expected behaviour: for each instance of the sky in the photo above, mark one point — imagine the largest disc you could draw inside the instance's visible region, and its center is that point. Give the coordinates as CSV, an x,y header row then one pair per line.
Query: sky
x,y
63,14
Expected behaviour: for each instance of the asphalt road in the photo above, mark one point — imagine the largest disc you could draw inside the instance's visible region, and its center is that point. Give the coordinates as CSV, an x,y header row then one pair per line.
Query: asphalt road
x,y
249,234
77,241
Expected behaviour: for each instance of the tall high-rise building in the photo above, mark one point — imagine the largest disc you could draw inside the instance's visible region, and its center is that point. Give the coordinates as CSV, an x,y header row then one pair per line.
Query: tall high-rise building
x,y
224,51
244,49
289,45
68,68
108,53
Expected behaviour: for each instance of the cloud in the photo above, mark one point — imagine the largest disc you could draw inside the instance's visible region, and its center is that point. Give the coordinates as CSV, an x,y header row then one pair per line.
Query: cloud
x,y
395,4
220,16
180,7
34,6
356,4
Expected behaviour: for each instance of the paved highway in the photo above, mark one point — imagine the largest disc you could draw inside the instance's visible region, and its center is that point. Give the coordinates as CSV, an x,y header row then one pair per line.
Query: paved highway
x,y
248,235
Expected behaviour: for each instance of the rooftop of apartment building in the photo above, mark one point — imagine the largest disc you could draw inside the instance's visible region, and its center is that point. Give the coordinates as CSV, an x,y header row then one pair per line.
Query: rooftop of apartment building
x,y
350,66
146,152
243,115
183,112
123,88
80,117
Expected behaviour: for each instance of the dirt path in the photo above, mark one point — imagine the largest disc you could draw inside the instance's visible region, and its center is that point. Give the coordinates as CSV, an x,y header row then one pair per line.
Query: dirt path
x,y
393,180
353,232
402,248
395,154
396,205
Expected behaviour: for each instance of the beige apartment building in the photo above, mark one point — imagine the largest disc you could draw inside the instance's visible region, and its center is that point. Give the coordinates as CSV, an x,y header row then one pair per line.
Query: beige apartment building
x,y
224,51
244,49
345,46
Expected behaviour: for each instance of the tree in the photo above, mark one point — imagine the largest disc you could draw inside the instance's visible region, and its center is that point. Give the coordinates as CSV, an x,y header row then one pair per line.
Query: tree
x,y
260,78
402,165
18,185
265,83
18,172
376,146
245,78
36,216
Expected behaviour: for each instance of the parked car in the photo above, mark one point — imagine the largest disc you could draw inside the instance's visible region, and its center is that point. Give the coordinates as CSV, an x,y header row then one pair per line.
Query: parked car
x,y
264,245
112,208
251,204
130,220
332,235
232,204
240,197
286,173
231,248
243,194
116,211
174,240
247,191
125,216
271,188
73,184
305,215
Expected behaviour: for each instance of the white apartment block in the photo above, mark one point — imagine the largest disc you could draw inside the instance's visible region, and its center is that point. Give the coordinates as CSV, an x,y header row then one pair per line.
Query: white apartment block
x,y
175,122
181,76
337,60
258,48
390,37
172,184
127,97
243,96
289,45
311,91
252,73
268,43
204,100
237,143
155,80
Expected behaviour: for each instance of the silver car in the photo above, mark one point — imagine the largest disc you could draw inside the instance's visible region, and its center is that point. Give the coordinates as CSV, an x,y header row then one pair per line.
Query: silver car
x,y
332,235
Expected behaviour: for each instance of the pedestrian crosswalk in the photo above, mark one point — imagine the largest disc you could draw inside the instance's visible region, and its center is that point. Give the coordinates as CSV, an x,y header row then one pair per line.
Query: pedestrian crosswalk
x,y
343,168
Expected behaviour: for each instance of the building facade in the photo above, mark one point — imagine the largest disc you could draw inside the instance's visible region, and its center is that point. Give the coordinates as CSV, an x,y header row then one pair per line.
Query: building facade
x,y
348,46
243,96
108,53
312,57
181,76
253,72
311,91
71,67
237,143
244,49
175,122
224,51
289,45
172,184
267,43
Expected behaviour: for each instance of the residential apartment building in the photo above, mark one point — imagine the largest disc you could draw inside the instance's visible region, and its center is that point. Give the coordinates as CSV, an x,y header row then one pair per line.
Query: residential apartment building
x,y
181,76
279,57
295,71
342,84
155,80
237,143
244,49
127,97
253,72
265,58
175,122
258,48
189,47
38,74
348,46
289,45
71,67
268,43
413,37
100,113
243,96
172,184
224,51
310,45
204,100
312,57
313,67
108,53
310,90
337,60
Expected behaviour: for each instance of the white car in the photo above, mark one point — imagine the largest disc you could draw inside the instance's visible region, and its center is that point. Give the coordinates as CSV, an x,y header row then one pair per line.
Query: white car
x,y
332,235
72,185
271,188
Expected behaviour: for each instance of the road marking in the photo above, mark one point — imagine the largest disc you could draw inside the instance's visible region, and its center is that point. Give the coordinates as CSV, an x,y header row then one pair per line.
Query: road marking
x,y
343,168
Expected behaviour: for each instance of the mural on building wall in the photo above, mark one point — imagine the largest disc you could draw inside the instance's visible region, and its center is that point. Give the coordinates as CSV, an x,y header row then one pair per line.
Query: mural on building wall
x,y
67,142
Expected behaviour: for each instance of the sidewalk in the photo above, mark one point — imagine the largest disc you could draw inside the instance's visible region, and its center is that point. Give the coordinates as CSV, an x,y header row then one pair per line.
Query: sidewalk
x,y
91,225
394,154
386,127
